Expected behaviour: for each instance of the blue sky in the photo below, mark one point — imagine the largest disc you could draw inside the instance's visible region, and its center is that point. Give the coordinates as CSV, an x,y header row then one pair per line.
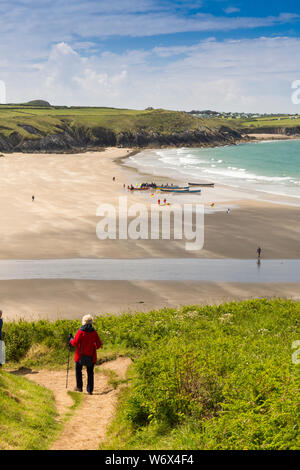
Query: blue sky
x,y
194,54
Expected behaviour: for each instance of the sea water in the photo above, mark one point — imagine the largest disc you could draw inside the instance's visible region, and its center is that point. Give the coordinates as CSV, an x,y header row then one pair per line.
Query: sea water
x,y
154,269
269,166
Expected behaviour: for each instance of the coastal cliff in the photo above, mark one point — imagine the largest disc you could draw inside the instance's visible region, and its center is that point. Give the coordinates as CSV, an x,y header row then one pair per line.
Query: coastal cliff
x,y
73,138
288,131
26,128
40,127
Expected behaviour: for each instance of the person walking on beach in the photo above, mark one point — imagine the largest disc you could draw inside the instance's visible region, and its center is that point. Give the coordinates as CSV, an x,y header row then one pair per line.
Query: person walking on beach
x,y
32,198
86,342
1,325
258,251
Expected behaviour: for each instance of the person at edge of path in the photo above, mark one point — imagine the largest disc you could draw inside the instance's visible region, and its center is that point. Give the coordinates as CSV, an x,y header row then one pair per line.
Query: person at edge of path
x,y
32,197
1,325
258,251
86,342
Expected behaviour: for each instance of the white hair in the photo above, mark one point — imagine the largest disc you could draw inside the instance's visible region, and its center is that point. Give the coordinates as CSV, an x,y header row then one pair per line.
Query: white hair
x,y
87,319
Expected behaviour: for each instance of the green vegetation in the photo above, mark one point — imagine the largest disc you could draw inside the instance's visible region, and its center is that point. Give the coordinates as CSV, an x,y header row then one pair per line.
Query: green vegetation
x,y
38,103
252,125
281,121
248,122
77,400
36,119
27,418
52,120
262,124
214,377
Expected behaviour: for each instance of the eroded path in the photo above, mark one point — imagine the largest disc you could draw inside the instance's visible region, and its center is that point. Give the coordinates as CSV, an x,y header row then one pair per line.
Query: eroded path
x,y
87,427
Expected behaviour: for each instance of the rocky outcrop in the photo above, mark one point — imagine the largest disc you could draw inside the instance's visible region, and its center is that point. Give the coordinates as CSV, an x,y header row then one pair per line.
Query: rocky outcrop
x,y
74,138
289,131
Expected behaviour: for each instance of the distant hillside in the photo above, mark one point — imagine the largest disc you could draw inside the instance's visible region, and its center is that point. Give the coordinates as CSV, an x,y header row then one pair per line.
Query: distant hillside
x,y
35,127
39,103
283,124
32,103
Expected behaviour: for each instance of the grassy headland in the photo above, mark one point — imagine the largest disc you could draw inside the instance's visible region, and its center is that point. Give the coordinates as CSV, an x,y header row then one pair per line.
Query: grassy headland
x,y
218,377
48,128
38,126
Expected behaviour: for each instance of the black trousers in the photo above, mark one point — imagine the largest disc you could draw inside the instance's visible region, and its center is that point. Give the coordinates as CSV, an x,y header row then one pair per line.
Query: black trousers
x,y
90,374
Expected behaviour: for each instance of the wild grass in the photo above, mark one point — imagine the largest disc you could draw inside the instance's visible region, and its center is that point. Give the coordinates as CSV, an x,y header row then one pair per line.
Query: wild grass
x,y
214,377
15,119
52,120
27,416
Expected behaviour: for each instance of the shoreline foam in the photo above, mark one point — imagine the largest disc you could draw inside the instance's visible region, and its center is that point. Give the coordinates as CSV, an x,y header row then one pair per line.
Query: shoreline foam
x,y
228,189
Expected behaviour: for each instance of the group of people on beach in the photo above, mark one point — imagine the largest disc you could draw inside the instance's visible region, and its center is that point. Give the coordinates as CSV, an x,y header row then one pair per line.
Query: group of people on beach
x,y
146,185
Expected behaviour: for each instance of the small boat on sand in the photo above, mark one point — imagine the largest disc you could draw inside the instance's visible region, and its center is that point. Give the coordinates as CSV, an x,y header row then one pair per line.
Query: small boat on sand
x,y
171,188
181,191
202,184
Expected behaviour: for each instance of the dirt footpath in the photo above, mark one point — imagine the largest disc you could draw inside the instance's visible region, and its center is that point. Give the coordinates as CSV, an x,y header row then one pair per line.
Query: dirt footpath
x,y
86,429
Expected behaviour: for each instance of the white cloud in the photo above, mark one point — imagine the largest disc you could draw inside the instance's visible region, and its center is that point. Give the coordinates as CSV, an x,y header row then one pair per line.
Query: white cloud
x,y
158,23
230,10
28,28
249,74
50,50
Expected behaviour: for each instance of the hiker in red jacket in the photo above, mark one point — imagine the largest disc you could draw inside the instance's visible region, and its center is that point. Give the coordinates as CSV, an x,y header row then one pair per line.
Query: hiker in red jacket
x,y
86,342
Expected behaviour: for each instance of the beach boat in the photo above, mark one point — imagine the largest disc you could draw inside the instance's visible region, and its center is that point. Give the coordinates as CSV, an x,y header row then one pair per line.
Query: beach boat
x,y
171,189
163,188
181,191
202,184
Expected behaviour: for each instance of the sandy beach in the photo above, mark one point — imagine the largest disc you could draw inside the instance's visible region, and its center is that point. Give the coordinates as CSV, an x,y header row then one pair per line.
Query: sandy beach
x,y
61,223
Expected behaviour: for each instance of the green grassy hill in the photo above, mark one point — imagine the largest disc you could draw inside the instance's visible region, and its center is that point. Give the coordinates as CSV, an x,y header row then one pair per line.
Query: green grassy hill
x,y
273,124
50,120
27,128
214,377
27,414
38,126
272,121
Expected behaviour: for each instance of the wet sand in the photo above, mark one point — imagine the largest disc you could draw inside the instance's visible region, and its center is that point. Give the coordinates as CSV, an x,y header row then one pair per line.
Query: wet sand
x,y
56,299
62,220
